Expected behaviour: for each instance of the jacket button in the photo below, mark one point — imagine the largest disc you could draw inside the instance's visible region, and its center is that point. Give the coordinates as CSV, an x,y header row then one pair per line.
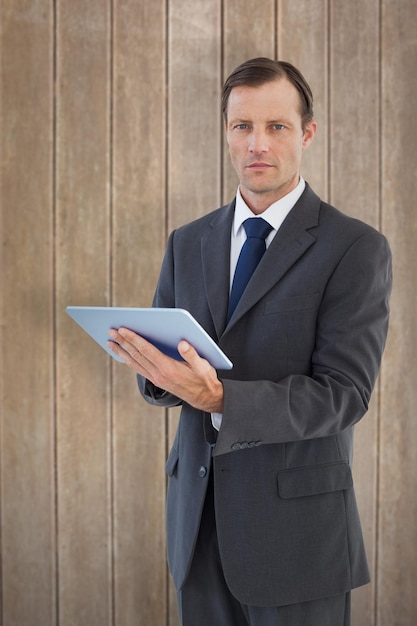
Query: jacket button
x,y
202,471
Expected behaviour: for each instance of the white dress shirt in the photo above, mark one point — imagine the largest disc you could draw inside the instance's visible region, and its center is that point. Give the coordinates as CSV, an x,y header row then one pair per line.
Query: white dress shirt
x,y
274,215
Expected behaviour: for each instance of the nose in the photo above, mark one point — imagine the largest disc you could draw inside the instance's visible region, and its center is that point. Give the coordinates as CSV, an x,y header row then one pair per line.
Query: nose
x,y
258,142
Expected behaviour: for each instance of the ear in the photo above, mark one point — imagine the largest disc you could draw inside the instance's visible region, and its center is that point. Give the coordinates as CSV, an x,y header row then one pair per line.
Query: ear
x,y
309,133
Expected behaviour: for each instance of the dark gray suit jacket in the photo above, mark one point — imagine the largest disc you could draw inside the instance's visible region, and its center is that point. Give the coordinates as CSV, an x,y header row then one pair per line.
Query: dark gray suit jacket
x,y
306,340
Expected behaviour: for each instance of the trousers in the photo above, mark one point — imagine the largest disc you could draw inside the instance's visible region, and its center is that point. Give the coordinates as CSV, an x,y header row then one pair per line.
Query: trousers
x,y
205,599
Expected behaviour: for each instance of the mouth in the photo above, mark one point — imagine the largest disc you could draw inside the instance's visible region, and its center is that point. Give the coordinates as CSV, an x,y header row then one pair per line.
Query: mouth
x,y
259,165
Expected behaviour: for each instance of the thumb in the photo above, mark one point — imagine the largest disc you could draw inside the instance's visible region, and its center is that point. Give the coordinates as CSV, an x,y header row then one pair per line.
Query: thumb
x,y
189,354
186,350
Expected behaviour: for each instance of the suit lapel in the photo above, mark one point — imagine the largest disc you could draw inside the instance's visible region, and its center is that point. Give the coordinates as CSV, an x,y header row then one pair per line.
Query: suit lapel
x,y
215,253
289,244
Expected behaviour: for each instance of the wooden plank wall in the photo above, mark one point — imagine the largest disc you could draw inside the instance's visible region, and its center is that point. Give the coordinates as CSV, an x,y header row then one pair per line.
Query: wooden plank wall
x,y
111,135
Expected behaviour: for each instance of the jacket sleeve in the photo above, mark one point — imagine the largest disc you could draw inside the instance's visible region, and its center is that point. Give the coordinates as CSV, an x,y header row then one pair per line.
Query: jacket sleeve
x,y
350,337
155,395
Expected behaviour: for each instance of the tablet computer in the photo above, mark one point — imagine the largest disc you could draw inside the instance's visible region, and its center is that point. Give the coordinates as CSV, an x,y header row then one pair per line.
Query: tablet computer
x,y
165,328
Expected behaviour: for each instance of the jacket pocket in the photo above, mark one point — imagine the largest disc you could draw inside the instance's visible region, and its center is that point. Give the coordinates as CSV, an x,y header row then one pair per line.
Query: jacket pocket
x,y
172,462
319,479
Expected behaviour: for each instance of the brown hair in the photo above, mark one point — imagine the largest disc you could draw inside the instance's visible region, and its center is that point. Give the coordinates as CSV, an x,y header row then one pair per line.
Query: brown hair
x,y
261,70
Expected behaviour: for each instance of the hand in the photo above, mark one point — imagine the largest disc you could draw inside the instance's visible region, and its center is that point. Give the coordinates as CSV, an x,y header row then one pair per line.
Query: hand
x,y
193,380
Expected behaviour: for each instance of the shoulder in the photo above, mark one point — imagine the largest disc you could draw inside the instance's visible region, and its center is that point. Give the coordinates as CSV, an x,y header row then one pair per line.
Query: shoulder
x,y
337,226
334,218
354,236
353,245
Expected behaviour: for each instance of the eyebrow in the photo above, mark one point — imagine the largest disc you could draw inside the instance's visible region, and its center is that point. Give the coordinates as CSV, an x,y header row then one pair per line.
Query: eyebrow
x,y
241,120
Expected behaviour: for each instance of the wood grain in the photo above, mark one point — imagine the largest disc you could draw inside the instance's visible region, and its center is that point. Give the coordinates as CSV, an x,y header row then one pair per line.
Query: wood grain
x,y
84,470
27,368
397,535
194,121
139,215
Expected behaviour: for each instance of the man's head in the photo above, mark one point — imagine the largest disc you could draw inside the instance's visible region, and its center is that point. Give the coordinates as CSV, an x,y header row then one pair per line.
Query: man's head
x,y
269,123
259,71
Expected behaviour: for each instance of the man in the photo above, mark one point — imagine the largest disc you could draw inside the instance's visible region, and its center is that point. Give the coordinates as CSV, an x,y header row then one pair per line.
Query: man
x,y
262,522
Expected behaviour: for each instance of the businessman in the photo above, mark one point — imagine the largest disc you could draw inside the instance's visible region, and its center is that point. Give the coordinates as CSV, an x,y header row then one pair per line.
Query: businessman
x,y
262,522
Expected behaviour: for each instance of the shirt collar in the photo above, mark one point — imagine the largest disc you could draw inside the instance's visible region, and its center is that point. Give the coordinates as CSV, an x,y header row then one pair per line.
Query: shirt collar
x,y
274,214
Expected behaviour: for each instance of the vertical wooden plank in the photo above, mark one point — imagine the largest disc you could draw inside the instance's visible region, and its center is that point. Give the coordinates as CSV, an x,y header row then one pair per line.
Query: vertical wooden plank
x,y
139,240
26,406
194,127
247,33
194,110
397,539
354,91
354,189
83,432
310,55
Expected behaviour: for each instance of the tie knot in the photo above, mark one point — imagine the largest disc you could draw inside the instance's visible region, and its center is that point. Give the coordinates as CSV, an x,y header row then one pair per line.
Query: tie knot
x,y
257,227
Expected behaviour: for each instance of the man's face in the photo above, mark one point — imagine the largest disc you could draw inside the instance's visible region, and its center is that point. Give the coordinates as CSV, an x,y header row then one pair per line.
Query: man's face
x,y
266,140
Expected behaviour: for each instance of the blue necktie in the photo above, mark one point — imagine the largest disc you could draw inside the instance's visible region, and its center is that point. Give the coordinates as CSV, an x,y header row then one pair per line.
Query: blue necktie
x,y
257,230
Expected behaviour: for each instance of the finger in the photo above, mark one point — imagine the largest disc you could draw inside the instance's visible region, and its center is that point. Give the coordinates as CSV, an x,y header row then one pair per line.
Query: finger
x,y
191,356
128,351
127,359
117,349
140,348
118,344
128,340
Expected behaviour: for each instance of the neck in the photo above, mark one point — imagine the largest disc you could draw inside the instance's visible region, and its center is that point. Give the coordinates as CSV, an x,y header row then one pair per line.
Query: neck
x,y
259,202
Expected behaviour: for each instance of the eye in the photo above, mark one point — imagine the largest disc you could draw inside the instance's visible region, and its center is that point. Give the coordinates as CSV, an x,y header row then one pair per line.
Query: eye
x,y
278,126
241,126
